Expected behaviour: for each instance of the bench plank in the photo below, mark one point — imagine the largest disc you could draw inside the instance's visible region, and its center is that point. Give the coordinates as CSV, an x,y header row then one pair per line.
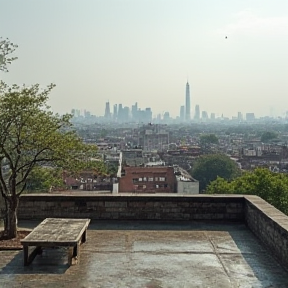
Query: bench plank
x,y
62,232
53,232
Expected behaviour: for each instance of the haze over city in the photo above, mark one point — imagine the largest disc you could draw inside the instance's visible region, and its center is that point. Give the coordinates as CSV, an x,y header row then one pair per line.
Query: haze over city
x,y
145,51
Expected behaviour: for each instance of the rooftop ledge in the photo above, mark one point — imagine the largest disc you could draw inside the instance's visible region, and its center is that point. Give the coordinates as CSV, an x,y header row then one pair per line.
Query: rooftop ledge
x,y
265,221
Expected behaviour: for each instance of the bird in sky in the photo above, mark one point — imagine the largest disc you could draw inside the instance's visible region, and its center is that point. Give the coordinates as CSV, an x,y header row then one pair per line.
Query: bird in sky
x,y
226,37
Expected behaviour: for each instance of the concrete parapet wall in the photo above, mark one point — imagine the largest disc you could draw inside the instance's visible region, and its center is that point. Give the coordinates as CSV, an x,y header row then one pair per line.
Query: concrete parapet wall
x,y
264,220
139,207
269,225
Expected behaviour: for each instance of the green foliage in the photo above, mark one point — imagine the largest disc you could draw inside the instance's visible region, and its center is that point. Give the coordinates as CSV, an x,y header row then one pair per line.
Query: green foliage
x,y
6,48
220,186
209,167
96,166
42,179
31,135
112,169
272,187
267,136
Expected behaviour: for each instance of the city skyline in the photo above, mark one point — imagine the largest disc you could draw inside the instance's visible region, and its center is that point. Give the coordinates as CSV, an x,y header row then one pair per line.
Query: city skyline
x,y
234,54
121,113
125,114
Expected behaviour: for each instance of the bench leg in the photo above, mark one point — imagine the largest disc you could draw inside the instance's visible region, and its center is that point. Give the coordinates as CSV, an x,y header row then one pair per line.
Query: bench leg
x,y
84,236
25,252
29,258
73,255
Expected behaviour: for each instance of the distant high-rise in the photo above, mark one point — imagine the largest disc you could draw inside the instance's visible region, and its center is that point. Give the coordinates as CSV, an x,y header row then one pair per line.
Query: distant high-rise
x,y
182,113
115,112
87,114
240,116
120,112
134,112
107,111
148,114
250,117
204,115
187,106
197,113
75,112
166,116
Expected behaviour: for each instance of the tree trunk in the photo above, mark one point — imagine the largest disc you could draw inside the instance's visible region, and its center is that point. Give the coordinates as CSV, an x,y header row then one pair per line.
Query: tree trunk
x,y
11,219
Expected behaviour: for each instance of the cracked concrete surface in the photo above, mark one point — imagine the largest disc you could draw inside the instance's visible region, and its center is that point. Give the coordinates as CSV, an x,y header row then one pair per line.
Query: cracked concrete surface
x,y
152,255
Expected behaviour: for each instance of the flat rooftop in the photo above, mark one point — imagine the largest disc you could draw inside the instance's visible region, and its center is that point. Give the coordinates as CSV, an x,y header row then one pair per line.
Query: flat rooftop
x,y
153,255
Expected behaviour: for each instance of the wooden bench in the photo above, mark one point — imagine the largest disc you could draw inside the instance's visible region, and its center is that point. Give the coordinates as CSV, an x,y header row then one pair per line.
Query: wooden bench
x,y
56,232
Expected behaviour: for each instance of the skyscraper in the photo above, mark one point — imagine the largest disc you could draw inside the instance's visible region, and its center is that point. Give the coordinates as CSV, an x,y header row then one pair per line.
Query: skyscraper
x,y
107,114
187,106
204,115
134,112
115,112
120,112
240,116
182,113
197,113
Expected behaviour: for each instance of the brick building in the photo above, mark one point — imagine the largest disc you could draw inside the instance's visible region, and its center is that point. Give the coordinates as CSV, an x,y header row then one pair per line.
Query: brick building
x,y
148,180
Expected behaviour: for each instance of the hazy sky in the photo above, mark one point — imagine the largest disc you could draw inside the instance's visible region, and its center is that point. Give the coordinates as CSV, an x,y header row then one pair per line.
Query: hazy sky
x,y
127,51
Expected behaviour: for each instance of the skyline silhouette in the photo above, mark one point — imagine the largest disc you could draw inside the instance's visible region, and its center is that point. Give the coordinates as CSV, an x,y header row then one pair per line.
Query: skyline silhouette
x,y
144,51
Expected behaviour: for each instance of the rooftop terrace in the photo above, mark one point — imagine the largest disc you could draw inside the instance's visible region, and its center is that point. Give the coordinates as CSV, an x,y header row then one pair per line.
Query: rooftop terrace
x,y
153,241
152,254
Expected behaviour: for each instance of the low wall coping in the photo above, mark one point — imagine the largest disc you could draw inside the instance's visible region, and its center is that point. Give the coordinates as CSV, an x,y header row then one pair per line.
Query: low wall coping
x,y
132,195
268,210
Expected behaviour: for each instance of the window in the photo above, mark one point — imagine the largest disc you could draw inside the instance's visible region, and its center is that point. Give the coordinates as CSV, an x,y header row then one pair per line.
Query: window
x,y
150,179
156,186
161,178
135,180
144,179
140,179
156,178
144,186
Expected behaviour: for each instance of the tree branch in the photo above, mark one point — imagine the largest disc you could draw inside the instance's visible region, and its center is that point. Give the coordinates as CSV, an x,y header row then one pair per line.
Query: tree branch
x,y
3,185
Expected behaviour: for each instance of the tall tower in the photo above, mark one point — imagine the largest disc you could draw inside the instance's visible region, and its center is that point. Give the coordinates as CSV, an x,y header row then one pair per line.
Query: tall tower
x,y
107,114
187,106
197,113
115,112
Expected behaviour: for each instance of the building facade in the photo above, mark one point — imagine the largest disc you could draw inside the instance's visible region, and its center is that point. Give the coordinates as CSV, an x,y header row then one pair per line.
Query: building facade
x,y
148,180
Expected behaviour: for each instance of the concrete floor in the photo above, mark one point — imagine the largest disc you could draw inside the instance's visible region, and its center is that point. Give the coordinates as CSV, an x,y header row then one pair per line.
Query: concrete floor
x,y
152,255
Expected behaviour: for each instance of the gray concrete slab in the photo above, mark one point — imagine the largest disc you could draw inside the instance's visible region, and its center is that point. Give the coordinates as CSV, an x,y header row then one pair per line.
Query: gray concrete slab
x,y
152,255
